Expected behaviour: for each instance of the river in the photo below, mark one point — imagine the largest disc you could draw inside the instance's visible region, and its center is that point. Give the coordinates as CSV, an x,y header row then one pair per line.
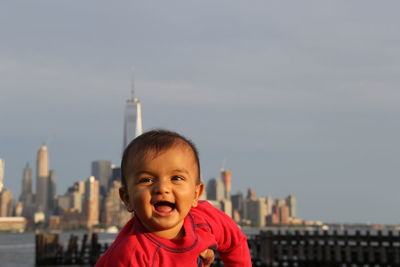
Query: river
x,y
18,250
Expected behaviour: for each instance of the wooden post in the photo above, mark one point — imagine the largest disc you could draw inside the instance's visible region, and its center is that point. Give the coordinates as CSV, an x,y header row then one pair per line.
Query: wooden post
x,y
94,249
382,248
83,250
317,247
46,249
301,245
337,252
267,248
327,255
359,249
395,249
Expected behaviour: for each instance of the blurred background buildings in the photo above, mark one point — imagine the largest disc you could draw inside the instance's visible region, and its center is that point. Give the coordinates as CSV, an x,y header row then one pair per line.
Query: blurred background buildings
x,y
95,201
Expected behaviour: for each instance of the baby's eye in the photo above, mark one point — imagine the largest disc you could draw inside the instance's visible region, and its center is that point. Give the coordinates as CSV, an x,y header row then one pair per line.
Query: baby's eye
x,y
177,178
146,180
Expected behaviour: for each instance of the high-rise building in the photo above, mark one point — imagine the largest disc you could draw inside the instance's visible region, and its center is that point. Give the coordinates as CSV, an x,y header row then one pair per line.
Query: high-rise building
x,y
102,171
115,212
283,214
1,174
215,189
116,174
27,198
132,118
91,203
63,203
42,177
250,194
269,201
6,203
227,179
291,202
226,206
256,211
51,191
76,201
72,199
26,188
237,203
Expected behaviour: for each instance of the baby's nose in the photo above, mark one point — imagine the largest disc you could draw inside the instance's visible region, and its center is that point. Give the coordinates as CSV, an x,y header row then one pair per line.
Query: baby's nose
x,y
162,187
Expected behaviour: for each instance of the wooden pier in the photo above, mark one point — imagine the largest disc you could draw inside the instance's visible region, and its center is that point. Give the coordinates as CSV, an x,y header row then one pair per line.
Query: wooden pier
x,y
49,251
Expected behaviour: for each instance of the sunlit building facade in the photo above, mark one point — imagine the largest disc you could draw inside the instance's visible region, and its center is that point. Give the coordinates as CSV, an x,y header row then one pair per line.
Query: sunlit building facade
x,y
132,121
92,202
42,179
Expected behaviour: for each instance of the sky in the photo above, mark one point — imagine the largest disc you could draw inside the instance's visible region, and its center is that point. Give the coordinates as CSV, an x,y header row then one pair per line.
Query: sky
x,y
294,97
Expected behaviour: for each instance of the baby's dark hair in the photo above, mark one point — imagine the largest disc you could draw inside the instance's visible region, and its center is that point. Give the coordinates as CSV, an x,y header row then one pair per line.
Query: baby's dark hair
x,y
154,141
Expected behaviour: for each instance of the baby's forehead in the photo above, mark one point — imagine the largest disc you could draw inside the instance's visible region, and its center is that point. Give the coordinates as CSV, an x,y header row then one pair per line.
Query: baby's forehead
x,y
140,159
176,148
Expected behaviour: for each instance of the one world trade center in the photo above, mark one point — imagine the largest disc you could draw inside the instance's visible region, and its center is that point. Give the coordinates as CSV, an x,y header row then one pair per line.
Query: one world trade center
x,y
132,118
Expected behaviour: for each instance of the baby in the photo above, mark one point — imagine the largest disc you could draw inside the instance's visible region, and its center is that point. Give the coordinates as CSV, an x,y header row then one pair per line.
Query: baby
x,y
161,184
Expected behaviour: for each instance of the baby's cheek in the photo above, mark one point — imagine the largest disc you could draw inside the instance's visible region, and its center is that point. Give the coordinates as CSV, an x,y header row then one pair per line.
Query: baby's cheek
x,y
141,200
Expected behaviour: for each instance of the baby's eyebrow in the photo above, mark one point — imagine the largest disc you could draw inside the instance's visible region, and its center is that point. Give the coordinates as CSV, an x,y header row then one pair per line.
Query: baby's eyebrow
x,y
181,170
135,174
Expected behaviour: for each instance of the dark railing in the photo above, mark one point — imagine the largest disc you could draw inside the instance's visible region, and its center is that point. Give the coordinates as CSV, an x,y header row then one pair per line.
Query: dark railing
x,y
325,249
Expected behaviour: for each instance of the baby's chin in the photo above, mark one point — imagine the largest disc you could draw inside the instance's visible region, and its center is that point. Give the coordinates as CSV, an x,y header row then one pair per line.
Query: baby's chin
x,y
167,230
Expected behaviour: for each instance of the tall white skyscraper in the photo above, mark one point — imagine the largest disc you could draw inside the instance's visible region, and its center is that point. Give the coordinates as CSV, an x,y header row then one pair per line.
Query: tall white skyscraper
x,y
1,174
132,118
42,177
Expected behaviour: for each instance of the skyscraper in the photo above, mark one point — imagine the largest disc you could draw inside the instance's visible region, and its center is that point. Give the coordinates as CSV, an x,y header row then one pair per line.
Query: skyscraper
x,y
102,171
6,203
42,176
27,198
227,179
237,203
291,202
132,118
51,191
91,203
256,211
1,174
215,189
26,189
250,194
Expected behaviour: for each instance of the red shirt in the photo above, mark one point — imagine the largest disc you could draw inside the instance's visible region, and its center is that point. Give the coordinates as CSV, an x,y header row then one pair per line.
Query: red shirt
x,y
205,227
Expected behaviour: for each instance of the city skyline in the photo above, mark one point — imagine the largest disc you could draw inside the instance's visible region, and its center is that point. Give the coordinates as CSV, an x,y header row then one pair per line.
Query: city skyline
x,y
300,98
95,202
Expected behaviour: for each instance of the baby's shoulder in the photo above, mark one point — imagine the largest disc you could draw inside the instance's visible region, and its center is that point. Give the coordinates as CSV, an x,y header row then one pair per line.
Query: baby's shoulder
x,y
204,212
203,208
206,208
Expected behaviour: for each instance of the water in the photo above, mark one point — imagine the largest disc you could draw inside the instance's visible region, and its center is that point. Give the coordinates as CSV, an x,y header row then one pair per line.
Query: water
x,y
18,250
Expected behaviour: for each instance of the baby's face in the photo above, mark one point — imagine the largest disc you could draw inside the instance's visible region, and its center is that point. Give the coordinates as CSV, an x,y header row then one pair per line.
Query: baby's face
x,y
162,189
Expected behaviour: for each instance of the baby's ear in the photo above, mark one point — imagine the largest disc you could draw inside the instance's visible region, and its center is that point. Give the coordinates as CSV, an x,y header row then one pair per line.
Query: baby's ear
x,y
198,192
123,194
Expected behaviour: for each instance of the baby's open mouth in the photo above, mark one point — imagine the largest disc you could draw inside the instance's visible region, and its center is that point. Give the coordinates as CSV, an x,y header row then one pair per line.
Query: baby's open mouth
x,y
164,206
